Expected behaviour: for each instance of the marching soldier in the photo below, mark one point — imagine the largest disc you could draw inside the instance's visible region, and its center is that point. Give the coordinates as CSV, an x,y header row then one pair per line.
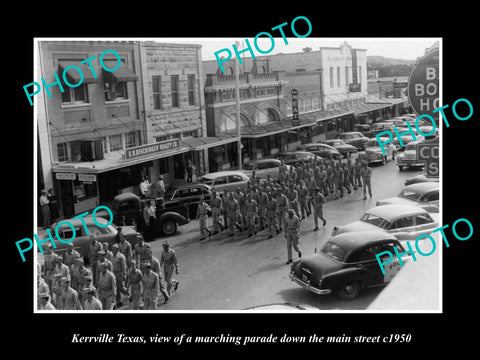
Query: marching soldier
x,y
330,180
119,269
135,285
107,287
233,213
225,199
318,201
250,214
68,300
351,174
168,260
282,206
346,177
366,174
303,199
358,172
156,268
292,196
292,232
94,248
322,180
272,216
240,197
202,217
262,208
311,186
141,250
125,248
49,263
216,204
338,179
150,287
70,255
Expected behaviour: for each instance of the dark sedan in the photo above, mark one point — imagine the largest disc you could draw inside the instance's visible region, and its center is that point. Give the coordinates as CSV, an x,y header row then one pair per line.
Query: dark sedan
x,y
339,145
354,138
347,264
323,150
295,157
187,194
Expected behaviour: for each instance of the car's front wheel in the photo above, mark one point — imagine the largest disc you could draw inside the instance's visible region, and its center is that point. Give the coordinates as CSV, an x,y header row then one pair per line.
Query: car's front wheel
x,y
169,227
349,291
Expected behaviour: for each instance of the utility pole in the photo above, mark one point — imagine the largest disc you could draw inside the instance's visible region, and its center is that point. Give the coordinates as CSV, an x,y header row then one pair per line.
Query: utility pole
x,y
237,98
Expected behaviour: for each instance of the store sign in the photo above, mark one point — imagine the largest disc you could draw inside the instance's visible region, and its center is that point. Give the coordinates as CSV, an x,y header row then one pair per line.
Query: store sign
x,y
430,153
354,86
65,176
151,148
87,177
295,119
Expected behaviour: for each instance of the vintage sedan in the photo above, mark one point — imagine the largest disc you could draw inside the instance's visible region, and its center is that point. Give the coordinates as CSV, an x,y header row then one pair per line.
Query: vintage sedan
x,y
263,168
406,139
323,150
373,152
339,145
346,264
187,194
425,193
223,181
81,242
421,177
409,157
405,222
295,157
354,138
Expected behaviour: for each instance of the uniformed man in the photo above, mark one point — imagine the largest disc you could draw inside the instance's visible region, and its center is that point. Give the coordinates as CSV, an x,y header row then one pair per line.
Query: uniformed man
x,y
272,216
282,206
168,259
321,180
216,204
318,201
80,279
68,300
42,288
250,214
140,250
303,196
225,200
150,287
233,213
91,302
351,174
311,186
70,255
202,217
330,179
49,264
135,285
108,253
366,174
292,196
358,172
125,248
103,259
346,177
107,287
262,208
156,267
94,248
44,302
88,283
292,233
240,197
338,178
119,269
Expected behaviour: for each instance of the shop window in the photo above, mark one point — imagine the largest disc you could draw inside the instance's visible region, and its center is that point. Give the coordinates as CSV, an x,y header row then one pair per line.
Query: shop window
x,y
292,136
115,91
164,168
77,95
338,76
115,142
62,152
84,190
132,139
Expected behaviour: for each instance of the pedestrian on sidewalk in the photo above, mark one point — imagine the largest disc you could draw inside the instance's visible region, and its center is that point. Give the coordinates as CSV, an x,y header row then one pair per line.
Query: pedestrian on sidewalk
x,y
53,206
45,209
366,174
292,233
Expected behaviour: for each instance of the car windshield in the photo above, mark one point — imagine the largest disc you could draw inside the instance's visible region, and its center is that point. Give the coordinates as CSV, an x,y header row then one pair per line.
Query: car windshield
x,y
409,194
248,166
411,146
337,142
206,181
373,143
375,220
333,250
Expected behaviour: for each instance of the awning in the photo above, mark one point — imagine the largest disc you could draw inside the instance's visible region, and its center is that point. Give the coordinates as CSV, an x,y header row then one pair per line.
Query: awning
x,y
202,143
73,75
123,73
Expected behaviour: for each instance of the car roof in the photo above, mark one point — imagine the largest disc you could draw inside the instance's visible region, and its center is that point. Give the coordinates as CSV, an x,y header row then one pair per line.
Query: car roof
x,y
79,223
297,152
350,241
259,161
423,187
393,212
351,132
187,185
222,173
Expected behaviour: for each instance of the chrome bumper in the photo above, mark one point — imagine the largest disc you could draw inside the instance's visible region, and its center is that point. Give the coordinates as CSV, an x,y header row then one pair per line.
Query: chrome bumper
x,y
410,163
308,286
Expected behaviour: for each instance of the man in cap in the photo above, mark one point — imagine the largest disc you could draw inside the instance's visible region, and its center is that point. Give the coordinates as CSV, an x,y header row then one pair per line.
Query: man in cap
x,y
42,288
150,287
156,268
282,205
366,174
102,259
141,249
91,302
107,287
292,196
202,217
318,201
69,297
272,216
216,204
250,214
49,264
108,253
119,269
292,232
94,248
262,208
125,248
70,255
44,302
135,285
81,274
168,259
357,170
87,283
303,195
233,213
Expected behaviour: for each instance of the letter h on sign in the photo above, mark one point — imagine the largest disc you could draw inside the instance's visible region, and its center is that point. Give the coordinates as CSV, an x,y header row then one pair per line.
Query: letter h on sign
x,y
295,119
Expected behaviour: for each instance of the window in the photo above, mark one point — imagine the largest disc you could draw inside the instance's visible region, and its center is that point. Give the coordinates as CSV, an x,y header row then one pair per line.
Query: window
x,y
115,91
164,169
403,223
334,251
265,92
346,76
132,139
191,89
188,134
423,219
234,178
432,197
77,95
220,181
62,152
338,76
116,142
331,76
157,92
94,230
359,74
174,91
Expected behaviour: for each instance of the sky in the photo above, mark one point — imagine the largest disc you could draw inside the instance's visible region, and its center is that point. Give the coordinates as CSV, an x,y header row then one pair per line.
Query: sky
x,y
397,48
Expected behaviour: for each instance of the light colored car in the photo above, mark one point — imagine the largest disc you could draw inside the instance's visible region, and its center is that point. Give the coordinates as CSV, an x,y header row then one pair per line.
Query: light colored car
x,y
345,149
264,167
421,177
405,222
225,180
406,139
425,193
354,138
409,156
373,151
323,150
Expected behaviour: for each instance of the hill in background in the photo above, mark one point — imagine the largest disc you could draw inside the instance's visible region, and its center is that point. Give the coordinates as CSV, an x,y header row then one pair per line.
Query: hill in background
x,y
390,67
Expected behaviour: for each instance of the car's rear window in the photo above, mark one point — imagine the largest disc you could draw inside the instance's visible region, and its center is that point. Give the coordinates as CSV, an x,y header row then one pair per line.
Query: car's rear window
x,y
375,220
334,251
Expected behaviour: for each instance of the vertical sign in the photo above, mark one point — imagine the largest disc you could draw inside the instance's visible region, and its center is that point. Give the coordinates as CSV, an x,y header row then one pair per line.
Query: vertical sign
x,y
295,119
354,86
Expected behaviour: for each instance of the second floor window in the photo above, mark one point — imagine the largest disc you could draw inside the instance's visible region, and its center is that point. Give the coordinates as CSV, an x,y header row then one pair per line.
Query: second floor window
x,y
77,95
115,91
174,91
191,89
156,92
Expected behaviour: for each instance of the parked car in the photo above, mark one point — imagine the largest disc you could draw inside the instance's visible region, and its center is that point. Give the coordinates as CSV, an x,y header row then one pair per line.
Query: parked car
x,y
82,239
128,207
406,139
295,157
346,264
381,126
264,167
373,152
421,177
365,129
225,180
323,150
424,193
354,138
409,157
405,222
400,122
339,145
187,194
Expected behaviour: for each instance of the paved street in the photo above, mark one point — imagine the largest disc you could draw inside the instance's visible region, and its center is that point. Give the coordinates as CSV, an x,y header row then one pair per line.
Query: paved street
x,y
233,273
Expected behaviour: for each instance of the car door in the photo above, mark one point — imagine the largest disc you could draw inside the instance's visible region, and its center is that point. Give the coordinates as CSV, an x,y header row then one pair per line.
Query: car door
x,y
432,198
403,228
424,224
235,181
220,184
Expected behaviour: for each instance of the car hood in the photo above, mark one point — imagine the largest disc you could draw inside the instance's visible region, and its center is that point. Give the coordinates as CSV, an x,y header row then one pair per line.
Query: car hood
x,y
407,154
319,264
396,200
345,147
373,150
